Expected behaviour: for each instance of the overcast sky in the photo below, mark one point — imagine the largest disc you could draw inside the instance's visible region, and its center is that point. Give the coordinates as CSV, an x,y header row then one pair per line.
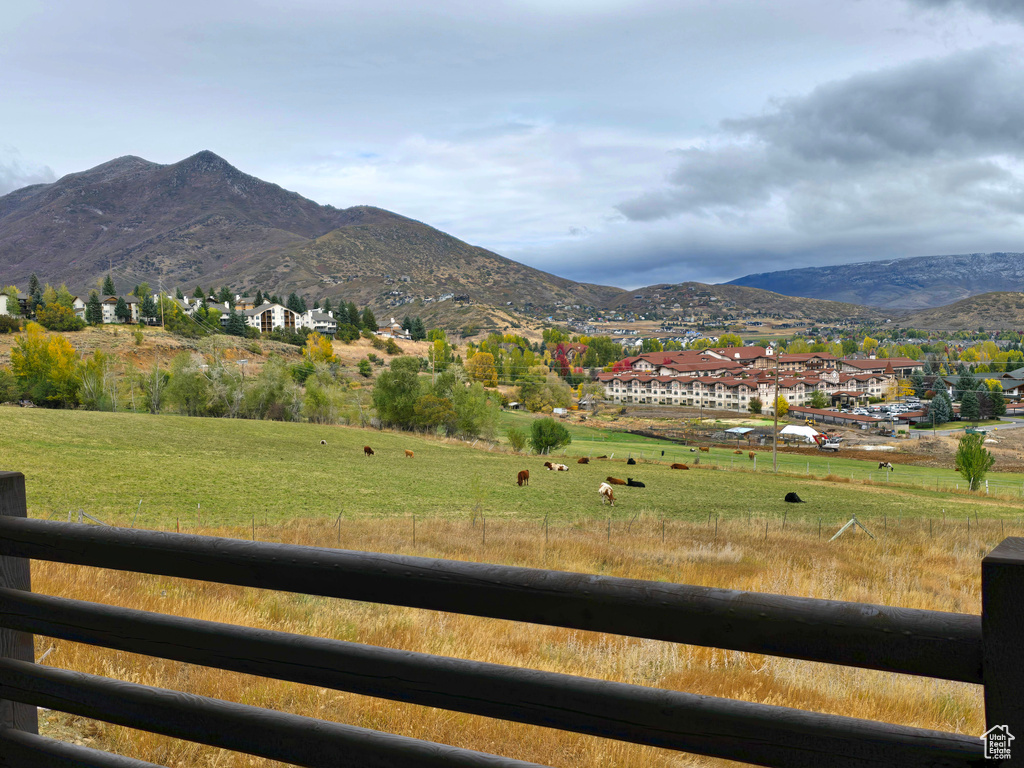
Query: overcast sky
x,y
624,143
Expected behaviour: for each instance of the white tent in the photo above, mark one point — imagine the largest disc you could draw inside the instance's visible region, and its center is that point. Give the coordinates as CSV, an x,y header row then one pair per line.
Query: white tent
x,y
808,433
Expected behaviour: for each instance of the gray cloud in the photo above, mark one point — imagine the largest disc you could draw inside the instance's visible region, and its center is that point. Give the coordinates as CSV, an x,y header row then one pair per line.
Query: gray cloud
x,y
999,9
14,173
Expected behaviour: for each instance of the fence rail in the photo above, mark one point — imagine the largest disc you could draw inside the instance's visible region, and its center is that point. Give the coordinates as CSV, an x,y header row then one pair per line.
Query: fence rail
x,y
944,645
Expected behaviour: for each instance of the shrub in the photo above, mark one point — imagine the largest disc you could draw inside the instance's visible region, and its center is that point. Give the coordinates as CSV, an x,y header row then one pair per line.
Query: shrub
x,y
56,317
365,368
139,336
9,324
547,434
517,439
392,348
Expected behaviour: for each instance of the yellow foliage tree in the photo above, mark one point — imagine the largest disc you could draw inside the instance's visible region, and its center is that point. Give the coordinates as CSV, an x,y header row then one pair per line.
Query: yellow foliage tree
x,y
481,368
781,406
869,344
318,349
45,367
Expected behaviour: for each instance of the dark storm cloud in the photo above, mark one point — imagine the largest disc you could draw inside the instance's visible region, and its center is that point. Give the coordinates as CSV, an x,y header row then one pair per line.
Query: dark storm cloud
x,y
945,118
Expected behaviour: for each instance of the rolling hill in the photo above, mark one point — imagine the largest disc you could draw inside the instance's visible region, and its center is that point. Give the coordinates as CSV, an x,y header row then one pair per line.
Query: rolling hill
x,y
912,283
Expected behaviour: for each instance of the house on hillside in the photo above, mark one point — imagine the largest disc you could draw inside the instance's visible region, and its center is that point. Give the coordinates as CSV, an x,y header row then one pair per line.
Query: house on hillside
x,y
269,317
109,305
321,322
393,330
22,303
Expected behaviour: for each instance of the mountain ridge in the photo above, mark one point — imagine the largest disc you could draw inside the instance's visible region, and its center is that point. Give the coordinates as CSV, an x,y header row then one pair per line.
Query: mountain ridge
x,y
912,283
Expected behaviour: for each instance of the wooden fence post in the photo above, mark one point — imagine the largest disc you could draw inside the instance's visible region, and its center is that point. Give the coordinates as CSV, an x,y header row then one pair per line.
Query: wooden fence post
x,y
1002,628
15,574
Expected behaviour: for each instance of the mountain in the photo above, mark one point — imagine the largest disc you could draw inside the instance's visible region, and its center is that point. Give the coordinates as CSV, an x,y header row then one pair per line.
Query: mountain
x,y
991,311
912,283
721,300
202,221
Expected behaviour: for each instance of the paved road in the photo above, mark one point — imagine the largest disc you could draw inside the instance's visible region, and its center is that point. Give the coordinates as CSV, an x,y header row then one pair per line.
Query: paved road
x,y
1006,423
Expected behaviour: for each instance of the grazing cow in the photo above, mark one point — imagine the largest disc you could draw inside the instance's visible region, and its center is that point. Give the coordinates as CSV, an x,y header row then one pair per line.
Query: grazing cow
x,y
751,455
323,442
631,461
885,465
634,483
614,481
584,460
705,450
792,498
602,457
738,453
523,478
606,494
679,466
367,450
409,453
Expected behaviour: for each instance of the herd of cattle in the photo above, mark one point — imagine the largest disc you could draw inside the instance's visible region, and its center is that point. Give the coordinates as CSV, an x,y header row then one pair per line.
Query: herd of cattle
x,y
605,488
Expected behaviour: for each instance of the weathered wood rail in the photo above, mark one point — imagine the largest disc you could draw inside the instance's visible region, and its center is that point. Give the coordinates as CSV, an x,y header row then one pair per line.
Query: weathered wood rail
x,y
985,650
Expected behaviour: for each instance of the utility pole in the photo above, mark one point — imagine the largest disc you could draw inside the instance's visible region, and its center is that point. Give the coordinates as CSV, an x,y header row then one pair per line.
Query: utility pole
x,y
160,294
775,413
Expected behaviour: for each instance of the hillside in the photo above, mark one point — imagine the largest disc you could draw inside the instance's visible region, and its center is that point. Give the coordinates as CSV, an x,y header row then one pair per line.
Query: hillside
x,y
912,283
722,300
991,311
202,221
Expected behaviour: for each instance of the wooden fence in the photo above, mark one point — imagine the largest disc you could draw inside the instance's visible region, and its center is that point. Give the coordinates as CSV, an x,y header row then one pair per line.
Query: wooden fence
x,y
982,649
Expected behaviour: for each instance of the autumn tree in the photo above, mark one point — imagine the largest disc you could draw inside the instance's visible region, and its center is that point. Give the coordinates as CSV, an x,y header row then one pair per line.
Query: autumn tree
x,y
45,367
481,368
318,349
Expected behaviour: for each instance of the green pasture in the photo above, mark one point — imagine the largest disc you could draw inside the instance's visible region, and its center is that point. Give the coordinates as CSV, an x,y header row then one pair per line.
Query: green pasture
x,y
595,441
231,471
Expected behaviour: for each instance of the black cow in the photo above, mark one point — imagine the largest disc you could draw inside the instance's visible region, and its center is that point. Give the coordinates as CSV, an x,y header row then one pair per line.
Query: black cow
x,y
792,498
634,483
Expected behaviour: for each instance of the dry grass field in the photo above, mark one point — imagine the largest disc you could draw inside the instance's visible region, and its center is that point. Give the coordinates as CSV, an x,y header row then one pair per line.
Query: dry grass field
x,y
905,566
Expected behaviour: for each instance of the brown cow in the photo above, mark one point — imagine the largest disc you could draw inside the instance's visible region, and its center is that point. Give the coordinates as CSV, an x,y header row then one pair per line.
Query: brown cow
x,y
614,481
409,453
705,450
606,494
602,457
738,453
524,478
367,450
751,455
584,460
679,466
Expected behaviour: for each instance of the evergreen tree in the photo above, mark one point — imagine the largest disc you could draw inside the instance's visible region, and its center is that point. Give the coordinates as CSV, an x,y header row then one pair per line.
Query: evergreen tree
x,y
970,408
995,398
258,301
316,304
418,332
327,305
296,303
179,295
121,311
94,310
236,324
149,308
941,409
917,382
407,324
198,293
224,295
965,383
353,315
33,285
369,321
108,286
